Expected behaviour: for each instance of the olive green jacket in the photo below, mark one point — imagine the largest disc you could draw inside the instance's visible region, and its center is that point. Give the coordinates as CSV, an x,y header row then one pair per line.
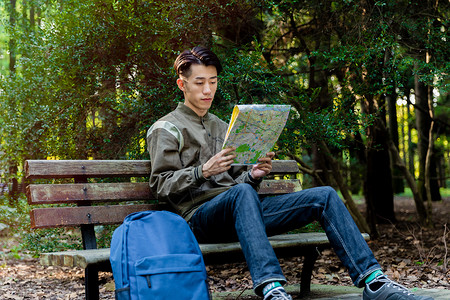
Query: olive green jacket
x,y
179,144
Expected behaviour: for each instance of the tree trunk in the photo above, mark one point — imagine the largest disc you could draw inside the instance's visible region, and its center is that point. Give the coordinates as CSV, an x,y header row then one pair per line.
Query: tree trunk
x,y
391,99
424,218
14,191
429,156
32,16
348,200
378,185
12,41
397,175
423,123
411,168
358,163
321,167
318,79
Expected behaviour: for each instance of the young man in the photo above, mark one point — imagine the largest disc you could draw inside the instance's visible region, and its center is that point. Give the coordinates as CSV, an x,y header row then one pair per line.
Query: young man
x,y
193,173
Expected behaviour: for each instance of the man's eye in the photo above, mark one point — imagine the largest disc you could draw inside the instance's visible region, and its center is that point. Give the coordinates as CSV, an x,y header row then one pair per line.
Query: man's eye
x,y
213,82
199,83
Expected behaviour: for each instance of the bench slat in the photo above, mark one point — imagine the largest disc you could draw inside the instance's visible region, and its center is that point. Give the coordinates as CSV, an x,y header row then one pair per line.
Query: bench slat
x,y
89,168
112,168
129,191
82,215
284,167
84,258
277,187
75,258
72,193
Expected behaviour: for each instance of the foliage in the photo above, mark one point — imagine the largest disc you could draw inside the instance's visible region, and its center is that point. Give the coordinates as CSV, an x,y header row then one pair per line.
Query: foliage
x,y
94,76
49,240
36,241
91,76
246,79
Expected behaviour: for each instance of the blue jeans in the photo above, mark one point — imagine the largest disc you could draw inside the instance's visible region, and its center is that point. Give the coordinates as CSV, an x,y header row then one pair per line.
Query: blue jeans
x,y
240,214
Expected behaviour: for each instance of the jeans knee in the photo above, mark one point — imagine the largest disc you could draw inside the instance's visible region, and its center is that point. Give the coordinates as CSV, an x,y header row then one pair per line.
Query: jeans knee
x,y
244,187
324,195
329,192
244,190
331,197
246,196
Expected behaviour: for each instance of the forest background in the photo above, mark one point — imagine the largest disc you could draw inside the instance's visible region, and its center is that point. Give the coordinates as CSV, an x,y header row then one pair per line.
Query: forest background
x,y
368,82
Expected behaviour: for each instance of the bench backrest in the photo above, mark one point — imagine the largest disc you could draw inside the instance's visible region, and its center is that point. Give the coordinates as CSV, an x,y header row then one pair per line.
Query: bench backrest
x,y
100,200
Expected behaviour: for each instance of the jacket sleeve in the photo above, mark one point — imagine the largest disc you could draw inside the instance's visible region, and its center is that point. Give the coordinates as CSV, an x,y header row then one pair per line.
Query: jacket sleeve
x,y
245,177
168,177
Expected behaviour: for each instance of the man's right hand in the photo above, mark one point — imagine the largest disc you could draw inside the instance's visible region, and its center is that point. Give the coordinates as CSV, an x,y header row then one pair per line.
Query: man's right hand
x,y
219,163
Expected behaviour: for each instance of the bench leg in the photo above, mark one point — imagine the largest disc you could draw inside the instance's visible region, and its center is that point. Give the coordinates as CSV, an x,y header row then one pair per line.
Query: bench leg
x,y
308,265
91,283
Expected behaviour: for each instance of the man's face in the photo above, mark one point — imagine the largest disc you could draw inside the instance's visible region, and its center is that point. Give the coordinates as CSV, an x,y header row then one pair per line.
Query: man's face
x,y
199,88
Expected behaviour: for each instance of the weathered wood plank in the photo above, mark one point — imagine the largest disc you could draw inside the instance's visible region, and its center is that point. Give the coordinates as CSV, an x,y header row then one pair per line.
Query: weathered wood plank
x,y
75,258
126,191
83,258
284,167
76,216
278,187
73,193
89,168
112,168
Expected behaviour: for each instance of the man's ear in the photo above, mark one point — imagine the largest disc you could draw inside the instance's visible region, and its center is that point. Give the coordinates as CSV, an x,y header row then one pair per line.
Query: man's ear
x,y
180,84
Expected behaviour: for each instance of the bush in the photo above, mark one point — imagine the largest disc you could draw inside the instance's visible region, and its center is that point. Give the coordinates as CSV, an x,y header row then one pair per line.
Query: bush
x,y
36,241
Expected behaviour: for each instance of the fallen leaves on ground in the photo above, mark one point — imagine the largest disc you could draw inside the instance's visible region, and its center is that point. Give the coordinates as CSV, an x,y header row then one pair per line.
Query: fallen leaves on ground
x,y
409,254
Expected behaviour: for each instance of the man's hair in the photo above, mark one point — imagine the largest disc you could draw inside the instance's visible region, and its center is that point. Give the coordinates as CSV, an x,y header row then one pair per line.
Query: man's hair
x,y
199,56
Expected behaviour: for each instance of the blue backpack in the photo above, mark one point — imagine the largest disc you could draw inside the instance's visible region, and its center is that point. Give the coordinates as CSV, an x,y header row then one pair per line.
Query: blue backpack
x,y
154,255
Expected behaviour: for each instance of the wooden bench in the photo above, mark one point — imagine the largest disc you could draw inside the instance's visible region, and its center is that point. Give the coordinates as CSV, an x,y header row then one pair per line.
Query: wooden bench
x,y
105,191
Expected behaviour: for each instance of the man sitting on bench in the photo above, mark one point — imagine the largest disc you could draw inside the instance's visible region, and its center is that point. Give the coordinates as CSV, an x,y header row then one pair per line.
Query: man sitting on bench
x,y
192,172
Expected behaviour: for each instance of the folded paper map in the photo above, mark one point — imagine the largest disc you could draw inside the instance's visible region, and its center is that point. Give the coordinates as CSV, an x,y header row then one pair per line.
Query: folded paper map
x,y
254,129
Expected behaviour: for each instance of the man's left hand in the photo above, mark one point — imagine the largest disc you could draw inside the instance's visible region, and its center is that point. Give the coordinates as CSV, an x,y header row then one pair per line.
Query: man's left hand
x,y
263,167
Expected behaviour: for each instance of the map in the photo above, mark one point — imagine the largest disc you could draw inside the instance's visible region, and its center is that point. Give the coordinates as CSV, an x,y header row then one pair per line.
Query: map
x,y
254,129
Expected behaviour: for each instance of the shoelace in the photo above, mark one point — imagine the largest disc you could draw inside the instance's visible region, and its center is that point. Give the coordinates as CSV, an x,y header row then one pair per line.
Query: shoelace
x,y
394,284
278,295
399,287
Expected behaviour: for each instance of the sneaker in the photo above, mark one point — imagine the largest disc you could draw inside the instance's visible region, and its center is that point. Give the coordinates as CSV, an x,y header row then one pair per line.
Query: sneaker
x,y
382,288
277,293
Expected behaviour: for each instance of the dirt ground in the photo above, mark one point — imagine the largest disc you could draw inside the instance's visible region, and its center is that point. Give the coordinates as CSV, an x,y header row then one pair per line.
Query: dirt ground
x,y
409,254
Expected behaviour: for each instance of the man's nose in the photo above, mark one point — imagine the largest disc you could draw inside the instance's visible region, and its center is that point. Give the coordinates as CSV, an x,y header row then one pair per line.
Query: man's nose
x,y
206,89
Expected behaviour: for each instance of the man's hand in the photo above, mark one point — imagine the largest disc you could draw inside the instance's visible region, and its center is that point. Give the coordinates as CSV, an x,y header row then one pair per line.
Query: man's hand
x,y
264,167
219,163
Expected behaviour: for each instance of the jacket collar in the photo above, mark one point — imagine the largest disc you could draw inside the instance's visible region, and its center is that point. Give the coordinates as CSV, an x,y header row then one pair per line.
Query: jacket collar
x,y
191,114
